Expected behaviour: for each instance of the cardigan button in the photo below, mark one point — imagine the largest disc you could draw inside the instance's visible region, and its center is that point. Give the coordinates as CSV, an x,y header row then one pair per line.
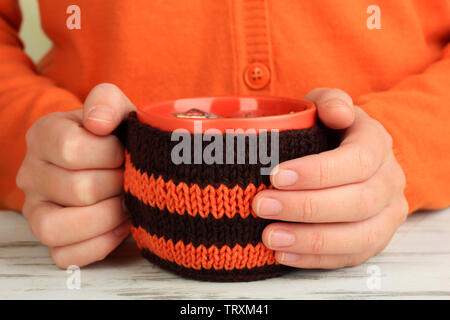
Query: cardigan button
x,y
256,76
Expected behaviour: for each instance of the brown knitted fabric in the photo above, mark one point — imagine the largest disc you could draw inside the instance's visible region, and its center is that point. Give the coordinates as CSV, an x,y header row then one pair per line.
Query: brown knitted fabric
x,y
196,219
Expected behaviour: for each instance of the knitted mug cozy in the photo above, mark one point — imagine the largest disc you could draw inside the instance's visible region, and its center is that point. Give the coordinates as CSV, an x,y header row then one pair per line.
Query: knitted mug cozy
x,y
196,219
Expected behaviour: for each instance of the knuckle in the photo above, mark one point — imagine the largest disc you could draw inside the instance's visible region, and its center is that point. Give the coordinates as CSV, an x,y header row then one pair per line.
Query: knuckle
x,y
83,190
365,202
365,161
27,209
69,148
22,178
324,167
401,179
371,238
33,134
405,205
404,210
317,242
389,140
45,121
397,180
377,124
29,136
385,134
309,209
43,227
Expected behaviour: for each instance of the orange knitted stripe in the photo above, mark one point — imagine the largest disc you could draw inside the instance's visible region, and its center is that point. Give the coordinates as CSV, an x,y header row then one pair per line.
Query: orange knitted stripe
x,y
202,257
191,198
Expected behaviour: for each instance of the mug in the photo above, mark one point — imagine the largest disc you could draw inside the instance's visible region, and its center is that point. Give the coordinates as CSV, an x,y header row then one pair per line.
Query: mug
x,y
192,169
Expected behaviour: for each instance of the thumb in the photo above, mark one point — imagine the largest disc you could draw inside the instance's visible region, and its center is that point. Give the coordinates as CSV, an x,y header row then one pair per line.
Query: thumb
x,y
104,109
334,107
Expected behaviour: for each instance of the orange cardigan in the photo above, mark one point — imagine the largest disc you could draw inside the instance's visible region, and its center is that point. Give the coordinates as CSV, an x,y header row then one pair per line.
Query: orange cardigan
x,y
399,74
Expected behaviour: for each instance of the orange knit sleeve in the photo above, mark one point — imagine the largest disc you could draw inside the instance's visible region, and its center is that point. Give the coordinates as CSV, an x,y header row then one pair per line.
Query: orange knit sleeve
x,y
24,97
416,112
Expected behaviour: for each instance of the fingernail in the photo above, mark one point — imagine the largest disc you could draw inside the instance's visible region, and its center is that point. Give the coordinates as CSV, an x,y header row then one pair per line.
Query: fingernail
x,y
281,238
288,257
123,229
101,114
268,207
284,177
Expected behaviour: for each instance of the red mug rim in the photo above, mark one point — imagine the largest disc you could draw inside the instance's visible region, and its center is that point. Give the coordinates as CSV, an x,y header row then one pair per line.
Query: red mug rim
x,y
276,113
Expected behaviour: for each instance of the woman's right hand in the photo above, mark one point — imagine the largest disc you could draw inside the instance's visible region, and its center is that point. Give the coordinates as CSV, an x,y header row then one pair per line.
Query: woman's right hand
x,y
72,177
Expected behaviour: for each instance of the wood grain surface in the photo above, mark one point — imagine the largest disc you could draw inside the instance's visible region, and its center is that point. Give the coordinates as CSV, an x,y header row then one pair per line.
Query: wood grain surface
x,y
415,265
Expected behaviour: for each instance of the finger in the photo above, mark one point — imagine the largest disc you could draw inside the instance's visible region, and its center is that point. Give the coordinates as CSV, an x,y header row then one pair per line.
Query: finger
x,y
59,226
327,261
359,156
319,261
61,140
77,187
92,250
31,200
351,202
335,238
105,107
334,107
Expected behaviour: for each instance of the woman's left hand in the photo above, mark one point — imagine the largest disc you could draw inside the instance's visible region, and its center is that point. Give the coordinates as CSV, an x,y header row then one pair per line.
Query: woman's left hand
x,y
339,207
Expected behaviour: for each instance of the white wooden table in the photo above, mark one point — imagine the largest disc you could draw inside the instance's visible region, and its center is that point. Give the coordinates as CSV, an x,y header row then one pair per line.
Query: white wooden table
x,y
416,265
